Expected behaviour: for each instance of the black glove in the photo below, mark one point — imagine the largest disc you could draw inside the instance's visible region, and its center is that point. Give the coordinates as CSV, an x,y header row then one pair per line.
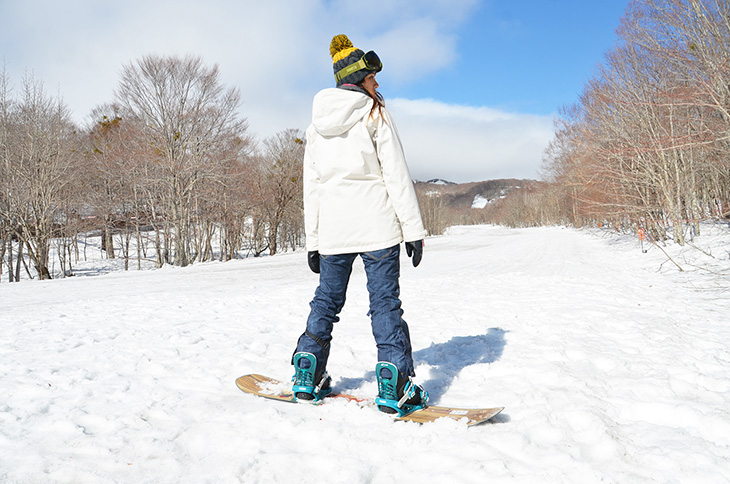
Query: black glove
x,y
313,261
415,249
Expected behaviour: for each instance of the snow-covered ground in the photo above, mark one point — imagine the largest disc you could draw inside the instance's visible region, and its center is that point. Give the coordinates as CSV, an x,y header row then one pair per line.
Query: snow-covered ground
x,y
612,364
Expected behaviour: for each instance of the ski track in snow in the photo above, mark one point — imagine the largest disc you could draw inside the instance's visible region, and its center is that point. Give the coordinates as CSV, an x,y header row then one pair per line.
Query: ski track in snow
x,y
612,365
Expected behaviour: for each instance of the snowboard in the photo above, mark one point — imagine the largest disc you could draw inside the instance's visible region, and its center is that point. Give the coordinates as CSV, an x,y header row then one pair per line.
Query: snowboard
x,y
266,387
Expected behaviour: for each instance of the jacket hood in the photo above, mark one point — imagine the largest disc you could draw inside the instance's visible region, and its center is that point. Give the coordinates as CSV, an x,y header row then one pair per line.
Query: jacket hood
x,y
335,111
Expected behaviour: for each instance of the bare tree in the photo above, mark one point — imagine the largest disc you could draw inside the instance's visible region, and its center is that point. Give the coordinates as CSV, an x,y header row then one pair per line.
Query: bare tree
x,y
646,144
6,189
433,211
277,187
118,185
38,143
190,120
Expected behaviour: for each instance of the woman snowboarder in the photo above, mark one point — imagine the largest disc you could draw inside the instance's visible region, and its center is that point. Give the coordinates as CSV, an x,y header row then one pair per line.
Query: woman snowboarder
x,y
359,201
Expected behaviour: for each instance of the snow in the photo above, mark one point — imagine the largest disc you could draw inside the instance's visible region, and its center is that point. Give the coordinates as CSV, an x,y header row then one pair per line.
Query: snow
x,y
612,365
479,202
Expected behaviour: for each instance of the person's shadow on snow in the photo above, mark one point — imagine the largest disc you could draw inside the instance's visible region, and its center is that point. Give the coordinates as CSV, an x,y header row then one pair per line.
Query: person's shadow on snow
x,y
446,361
449,358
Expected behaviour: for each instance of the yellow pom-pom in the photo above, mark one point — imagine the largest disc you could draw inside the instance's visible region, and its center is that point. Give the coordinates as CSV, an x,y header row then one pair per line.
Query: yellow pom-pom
x,y
340,43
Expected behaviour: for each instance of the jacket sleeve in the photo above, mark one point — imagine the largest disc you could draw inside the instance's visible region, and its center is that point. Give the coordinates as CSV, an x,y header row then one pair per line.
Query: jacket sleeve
x,y
397,177
310,196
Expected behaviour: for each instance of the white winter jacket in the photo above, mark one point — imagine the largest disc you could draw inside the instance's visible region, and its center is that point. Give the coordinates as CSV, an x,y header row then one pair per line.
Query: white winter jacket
x,y
358,192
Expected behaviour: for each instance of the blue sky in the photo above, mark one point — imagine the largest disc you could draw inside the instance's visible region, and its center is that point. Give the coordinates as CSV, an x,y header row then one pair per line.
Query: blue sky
x,y
474,86
529,56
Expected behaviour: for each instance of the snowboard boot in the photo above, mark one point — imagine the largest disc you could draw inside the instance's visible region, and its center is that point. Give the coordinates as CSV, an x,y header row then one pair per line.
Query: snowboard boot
x,y
398,394
309,384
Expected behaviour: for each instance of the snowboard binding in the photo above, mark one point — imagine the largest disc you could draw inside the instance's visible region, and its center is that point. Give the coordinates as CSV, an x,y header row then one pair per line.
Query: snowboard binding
x,y
307,384
398,396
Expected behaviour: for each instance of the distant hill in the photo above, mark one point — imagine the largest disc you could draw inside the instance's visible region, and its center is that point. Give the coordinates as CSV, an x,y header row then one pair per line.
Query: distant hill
x,y
439,181
470,195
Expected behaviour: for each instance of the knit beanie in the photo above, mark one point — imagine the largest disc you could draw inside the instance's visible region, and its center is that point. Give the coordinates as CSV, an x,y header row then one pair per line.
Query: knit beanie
x,y
343,54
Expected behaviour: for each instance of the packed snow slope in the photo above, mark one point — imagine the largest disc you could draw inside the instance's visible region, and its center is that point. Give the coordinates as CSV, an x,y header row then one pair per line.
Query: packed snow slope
x,y
613,366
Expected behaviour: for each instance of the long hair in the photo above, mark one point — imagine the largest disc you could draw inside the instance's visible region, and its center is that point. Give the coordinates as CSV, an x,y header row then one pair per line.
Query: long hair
x,y
378,101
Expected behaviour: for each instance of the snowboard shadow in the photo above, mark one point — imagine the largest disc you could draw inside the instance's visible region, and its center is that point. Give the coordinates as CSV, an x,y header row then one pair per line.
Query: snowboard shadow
x,y
447,360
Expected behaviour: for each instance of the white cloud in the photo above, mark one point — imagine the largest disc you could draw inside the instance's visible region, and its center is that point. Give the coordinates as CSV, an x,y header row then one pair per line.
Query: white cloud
x,y
417,48
464,143
277,53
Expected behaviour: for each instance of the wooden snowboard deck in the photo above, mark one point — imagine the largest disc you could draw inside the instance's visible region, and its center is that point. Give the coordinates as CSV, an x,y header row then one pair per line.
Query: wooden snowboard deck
x,y
473,416
266,387
271,388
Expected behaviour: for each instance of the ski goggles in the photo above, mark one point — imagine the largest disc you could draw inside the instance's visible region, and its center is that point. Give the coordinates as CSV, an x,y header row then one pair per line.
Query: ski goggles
x,y
369,61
